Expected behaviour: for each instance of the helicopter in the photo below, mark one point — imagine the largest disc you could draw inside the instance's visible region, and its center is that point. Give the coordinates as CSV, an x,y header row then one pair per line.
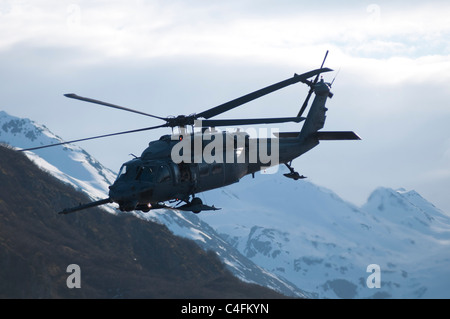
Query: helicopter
x,y
172,170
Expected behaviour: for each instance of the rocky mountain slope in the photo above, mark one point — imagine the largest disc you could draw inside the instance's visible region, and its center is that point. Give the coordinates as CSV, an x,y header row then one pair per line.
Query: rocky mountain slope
x,y
118,256
68,163
304,239
72,165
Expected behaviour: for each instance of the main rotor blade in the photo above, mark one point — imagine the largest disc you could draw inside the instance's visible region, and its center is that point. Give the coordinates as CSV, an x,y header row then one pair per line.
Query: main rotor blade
x,y
86,99
232,122
94,137
259,93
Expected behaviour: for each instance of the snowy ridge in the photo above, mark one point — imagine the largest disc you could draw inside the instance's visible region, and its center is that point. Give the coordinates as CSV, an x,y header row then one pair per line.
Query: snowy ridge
x,y
69,163
74,166
409,209
323,244
292,236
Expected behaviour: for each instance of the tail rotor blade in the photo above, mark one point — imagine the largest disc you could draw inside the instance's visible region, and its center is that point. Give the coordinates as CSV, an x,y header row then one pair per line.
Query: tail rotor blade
x,y
311,90
323,62
305,104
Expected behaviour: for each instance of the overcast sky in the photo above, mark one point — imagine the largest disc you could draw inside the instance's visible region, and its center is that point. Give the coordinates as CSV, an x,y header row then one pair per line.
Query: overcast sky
x,y
183,57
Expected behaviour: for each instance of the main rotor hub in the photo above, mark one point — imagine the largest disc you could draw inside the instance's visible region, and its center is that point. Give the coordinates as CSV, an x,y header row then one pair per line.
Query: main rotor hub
x,y
180,121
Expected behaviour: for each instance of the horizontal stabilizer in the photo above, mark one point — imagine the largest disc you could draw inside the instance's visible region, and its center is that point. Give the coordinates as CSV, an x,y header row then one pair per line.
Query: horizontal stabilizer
x,y
337,136
286,134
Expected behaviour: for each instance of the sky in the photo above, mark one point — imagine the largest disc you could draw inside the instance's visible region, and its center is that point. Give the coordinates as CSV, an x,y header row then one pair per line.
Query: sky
x,y
391,62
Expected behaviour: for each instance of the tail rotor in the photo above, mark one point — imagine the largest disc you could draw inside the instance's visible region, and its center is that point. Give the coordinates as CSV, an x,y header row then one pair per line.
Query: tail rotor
x,y
311,89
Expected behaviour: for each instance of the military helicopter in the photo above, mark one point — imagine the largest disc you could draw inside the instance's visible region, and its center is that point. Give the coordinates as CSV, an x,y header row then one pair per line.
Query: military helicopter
x,y
172,170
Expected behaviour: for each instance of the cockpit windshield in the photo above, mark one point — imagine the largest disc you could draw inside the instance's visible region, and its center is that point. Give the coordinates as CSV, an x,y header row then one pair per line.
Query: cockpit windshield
x,y
122,171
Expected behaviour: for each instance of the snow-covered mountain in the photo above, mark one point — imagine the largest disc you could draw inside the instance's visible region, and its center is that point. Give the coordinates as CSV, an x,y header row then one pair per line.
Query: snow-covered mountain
x,y
189,225
324,244
76,167
302,237
67,162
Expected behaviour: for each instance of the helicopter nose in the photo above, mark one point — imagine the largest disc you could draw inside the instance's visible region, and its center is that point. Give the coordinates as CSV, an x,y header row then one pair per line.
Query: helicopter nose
x,y
131,192
124,196
119,192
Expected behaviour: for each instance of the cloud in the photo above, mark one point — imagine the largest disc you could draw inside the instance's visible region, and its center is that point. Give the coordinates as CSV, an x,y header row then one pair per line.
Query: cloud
x,y
385,43
138,29
178,57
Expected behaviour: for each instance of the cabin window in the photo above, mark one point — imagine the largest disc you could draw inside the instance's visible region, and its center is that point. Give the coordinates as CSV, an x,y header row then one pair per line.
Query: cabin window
x,y
216,168
163,174
203,169
147,174
139,171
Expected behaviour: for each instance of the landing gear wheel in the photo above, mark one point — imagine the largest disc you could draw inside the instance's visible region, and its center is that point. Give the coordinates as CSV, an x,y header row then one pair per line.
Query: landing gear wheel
x,y
196,201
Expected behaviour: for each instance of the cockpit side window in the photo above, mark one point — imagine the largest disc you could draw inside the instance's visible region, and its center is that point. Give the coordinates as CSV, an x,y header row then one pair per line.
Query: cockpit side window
x,y
145,174
217,168
139,171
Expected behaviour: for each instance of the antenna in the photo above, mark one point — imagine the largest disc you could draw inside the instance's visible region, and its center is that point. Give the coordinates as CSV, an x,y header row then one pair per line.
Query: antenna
x,y
331,84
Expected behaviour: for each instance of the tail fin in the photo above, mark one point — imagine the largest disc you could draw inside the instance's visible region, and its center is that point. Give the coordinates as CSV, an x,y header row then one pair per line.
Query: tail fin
x,y
315,119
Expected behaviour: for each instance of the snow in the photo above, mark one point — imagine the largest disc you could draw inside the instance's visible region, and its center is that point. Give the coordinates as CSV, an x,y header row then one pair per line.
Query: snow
x,y
300,238
323,244
69,163
74,166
